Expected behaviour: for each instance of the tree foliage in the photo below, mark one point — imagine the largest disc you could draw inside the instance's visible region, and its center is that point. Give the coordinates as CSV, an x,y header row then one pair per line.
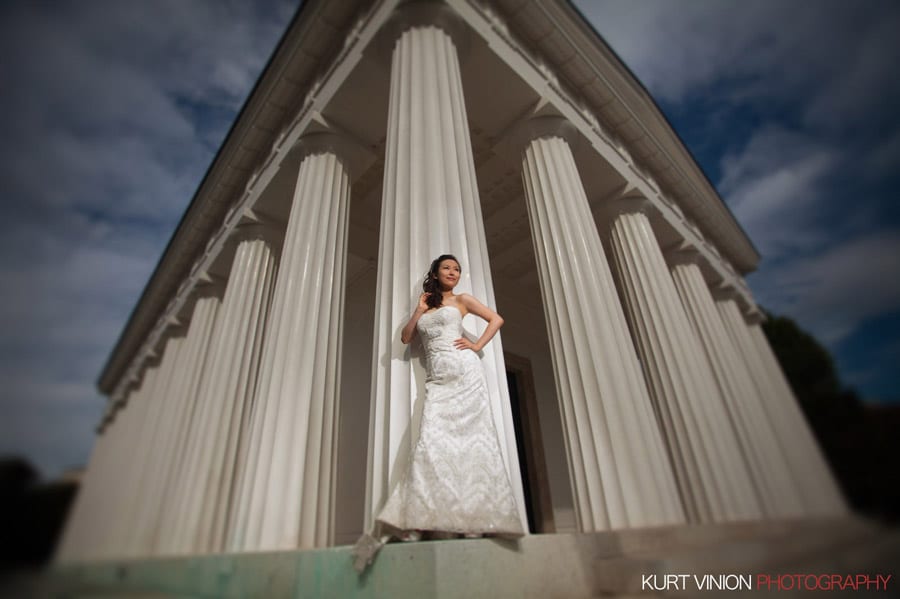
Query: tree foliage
x,y
860,441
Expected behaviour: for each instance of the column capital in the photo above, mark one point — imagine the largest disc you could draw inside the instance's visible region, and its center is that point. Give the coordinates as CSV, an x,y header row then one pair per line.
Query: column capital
x,y
725,292
682,253
626,201
537,126
150,358
354,156
754,316
207,286
421,14
257,230
105,420
630,204
117,403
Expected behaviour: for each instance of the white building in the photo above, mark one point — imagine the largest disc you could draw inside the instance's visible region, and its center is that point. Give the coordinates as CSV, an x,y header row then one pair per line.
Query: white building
x,y
260,397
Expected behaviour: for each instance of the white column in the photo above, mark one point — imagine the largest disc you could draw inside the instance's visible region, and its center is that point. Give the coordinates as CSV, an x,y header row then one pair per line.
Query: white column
x,y
777,488
286,493
167,447
114,478
82,518
799,449
140,425
226,395
620,472
83,526
430,206
712,476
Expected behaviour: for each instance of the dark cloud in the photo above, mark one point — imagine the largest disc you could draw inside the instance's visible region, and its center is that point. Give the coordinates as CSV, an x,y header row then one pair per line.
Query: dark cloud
x,y
791,108
113,115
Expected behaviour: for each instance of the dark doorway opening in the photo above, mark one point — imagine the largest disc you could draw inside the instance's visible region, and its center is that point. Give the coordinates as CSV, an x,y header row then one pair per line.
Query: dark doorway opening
x,y
529,442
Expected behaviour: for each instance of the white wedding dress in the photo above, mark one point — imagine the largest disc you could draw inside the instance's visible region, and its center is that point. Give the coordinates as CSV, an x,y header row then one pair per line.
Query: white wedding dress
x,y
455,480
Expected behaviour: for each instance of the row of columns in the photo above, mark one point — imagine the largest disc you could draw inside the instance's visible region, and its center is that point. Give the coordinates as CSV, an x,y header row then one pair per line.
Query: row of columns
x,y
674,409
229,443
724,420
620,472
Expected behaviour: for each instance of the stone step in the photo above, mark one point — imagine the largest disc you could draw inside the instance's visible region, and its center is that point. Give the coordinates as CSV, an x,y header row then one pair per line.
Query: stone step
x,y
774,549
541,566
878,552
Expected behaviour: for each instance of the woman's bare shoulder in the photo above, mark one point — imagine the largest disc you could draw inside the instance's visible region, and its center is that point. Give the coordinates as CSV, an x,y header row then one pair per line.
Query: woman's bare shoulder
x,y
468,298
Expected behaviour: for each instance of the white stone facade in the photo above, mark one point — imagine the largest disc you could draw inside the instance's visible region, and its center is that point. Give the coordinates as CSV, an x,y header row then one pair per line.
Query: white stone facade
x,y
260,398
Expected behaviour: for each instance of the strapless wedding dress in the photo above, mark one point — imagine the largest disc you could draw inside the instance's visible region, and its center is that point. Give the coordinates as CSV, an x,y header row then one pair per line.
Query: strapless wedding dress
x,y
455,480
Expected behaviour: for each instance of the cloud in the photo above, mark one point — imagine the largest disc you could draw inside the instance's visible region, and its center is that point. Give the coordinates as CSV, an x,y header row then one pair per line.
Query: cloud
x,y
791,109
834,292
667,44
884,156
763,50
775,185
859,87
114,115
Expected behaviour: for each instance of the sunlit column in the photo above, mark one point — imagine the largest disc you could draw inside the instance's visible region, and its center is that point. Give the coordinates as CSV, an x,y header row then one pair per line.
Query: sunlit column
x,y
226,395
430,206
110,507
285,497
712,476
777,488
140,425
799,449
82,519
620,472
168,444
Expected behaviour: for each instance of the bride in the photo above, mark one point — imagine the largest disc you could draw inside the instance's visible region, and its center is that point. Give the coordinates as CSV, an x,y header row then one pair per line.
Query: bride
x,y
455,481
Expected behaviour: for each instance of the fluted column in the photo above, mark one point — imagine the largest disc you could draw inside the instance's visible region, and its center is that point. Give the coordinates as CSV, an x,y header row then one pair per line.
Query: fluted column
x,y
110,508
140,426
286,494
621,475
712,475
167,447
226,395
799,449
777,488
176,481
75,539
430,206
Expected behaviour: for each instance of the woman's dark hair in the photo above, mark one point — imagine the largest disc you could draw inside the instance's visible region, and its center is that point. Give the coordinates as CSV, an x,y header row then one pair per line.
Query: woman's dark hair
x,y
431,285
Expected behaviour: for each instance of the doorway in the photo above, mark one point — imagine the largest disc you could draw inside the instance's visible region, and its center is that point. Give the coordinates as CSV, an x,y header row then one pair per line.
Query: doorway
x,y
532,464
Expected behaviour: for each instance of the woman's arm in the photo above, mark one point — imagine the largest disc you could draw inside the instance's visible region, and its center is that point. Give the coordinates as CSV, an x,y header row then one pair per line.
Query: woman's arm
x,y
494,320
409,331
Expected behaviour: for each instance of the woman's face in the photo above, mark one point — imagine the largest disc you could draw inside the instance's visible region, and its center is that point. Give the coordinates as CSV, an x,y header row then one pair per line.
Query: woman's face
x,y
448,274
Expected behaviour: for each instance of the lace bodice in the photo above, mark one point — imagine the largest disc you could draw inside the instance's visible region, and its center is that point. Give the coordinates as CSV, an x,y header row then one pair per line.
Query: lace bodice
x,y
440,328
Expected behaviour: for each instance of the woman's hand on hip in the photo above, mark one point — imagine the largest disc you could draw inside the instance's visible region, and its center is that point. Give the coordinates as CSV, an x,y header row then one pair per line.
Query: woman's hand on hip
x,y
463,343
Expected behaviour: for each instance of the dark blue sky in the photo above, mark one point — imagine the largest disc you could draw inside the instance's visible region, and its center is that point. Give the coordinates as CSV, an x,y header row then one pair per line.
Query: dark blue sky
x,y
112,110
790,108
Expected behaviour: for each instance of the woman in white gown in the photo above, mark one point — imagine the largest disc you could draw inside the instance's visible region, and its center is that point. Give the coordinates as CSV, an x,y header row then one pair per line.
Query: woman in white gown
x,y
455,481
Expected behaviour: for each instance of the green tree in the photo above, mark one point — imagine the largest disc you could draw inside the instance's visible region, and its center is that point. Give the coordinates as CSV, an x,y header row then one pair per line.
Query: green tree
x,y
859,441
